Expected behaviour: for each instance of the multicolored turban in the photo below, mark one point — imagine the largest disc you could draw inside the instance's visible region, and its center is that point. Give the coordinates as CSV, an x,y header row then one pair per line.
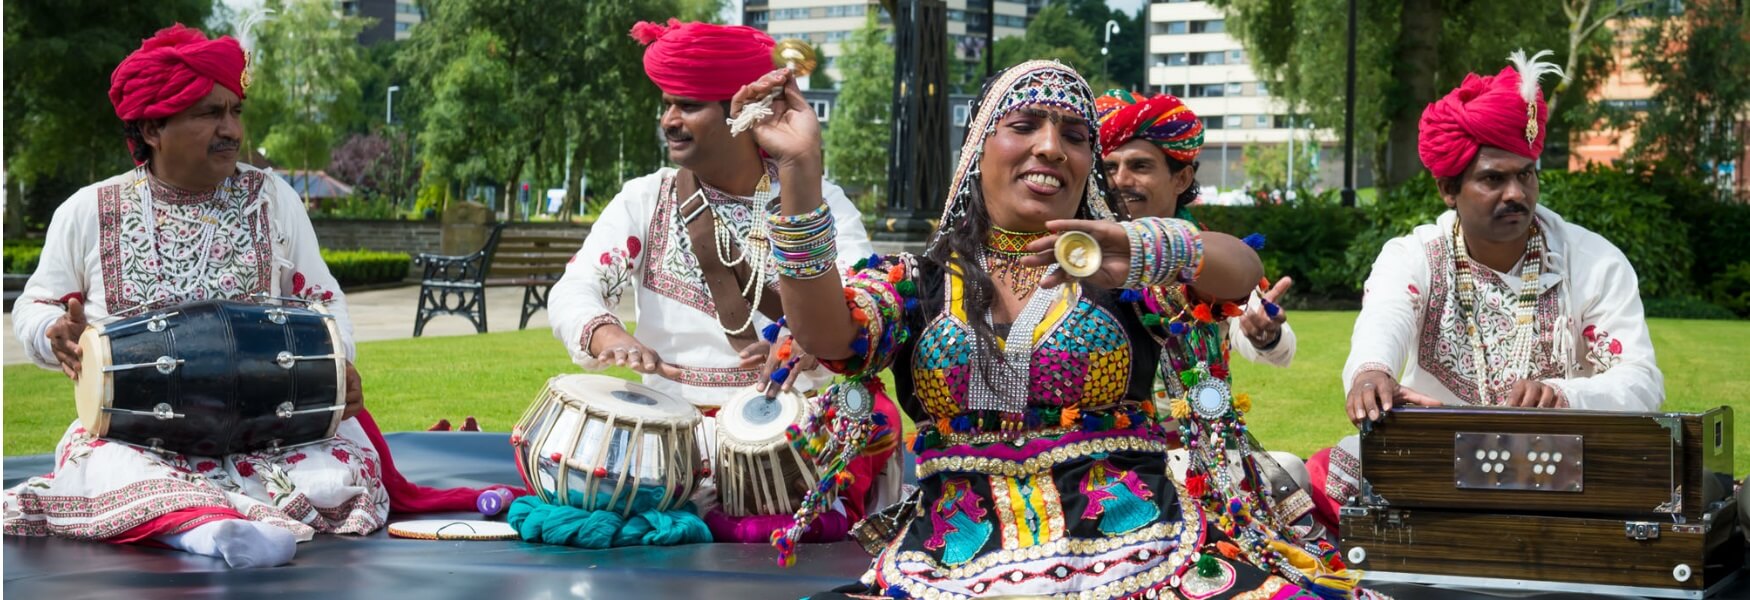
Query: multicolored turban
x,y
1163,120
1506,111
703,61
172,71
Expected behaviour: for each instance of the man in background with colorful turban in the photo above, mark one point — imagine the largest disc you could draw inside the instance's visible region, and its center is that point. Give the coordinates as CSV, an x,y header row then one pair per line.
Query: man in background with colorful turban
x,y
1151,147
189,223
1500,302
688,244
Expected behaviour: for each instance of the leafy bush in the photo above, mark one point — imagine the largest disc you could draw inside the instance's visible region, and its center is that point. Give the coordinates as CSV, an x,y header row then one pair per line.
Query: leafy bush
x,y
1619,206
365,267
1304,240
22,256
1731,289
358,206
1686,307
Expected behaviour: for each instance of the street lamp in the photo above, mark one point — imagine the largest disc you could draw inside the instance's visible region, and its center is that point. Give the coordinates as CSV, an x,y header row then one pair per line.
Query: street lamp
x,y
389,117
1111,28
1225,134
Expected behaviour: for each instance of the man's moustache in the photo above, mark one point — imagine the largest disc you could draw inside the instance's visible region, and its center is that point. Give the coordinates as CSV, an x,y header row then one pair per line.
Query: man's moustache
x,y
223,147
1509,209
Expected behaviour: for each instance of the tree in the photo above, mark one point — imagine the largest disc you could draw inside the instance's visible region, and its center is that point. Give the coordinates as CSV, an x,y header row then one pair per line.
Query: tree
x,y
1055,34
1699,63
307,61
61,130
1404,60
858,135
819,79
1266,166
376,165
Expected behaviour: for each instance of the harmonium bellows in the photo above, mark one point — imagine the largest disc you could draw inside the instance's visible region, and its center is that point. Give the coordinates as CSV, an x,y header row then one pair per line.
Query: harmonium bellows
x,y
1557,500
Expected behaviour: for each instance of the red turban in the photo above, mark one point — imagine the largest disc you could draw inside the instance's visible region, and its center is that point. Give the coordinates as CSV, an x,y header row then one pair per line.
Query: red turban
x,y
702,61
172,71
1485,111
1163,120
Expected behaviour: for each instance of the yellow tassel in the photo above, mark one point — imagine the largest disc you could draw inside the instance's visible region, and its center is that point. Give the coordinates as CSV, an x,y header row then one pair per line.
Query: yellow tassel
x,y
1243,403
1181,408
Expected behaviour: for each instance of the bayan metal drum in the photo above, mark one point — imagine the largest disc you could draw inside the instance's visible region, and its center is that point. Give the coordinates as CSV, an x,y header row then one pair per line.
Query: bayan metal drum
x,y
215,377
603,443
758,471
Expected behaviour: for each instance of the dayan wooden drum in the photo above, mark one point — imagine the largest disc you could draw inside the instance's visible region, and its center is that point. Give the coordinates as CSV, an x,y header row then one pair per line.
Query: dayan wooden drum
x,y
215,377
758,471
603,443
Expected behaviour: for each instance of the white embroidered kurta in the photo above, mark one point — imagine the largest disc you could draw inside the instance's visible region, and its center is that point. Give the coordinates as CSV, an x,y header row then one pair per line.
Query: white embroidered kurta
x,y
128,250
1592,341
639,243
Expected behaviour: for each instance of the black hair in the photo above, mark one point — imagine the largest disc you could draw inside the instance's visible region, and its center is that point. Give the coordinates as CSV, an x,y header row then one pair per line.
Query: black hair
x,y
1191,192
132,132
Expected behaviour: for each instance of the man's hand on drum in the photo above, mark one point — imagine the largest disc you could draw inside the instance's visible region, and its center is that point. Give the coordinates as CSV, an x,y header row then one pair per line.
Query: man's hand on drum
x,y
788,355
1376,392
64,335
355,393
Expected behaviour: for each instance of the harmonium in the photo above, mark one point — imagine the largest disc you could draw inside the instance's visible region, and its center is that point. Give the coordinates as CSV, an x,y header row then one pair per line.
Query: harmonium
x,y
1637,504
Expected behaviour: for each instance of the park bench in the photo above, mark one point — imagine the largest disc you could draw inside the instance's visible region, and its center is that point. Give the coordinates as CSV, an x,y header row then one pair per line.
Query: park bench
x,y
456,285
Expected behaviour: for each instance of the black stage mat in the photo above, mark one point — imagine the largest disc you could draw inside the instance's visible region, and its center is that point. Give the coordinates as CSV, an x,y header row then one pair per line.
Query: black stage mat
x,y
378,566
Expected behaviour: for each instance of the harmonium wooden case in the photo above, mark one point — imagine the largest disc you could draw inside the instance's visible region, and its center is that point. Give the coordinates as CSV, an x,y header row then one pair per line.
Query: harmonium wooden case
x,y
1547,500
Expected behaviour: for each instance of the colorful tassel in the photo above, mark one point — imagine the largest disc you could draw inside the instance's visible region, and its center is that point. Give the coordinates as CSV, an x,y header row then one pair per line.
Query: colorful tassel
x,y
1256,241
771,333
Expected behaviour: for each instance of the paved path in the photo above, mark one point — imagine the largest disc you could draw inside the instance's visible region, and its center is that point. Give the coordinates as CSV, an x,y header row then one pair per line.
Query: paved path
x,y
387,314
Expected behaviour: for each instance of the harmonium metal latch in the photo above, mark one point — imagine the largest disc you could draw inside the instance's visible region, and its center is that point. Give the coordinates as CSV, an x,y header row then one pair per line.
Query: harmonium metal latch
x,y
1641,530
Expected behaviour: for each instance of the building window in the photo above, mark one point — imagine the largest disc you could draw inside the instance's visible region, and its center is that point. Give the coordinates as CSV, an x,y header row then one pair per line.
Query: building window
x,y
1263,89
1233,121
758,19
1169,60
822,109
1208,58
1236,57
1015,21
961,112
1212,122
1173,90
1176,28
838,36
1263,121
1207,90
1233,88
956,15
400,27
855,10
1215,26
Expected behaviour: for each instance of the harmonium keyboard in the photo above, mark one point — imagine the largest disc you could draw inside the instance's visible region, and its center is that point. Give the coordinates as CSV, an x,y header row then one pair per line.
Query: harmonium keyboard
x,y
1637,504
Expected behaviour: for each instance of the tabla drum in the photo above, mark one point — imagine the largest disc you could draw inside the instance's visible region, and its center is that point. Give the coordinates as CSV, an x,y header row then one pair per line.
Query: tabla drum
x,y
758,471
215,377
603,443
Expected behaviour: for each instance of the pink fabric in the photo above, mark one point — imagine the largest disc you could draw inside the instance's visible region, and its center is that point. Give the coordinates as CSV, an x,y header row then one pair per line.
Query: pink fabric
x,y
173,523
1483,111
1325,508
757,529
408,497
172,71
703,61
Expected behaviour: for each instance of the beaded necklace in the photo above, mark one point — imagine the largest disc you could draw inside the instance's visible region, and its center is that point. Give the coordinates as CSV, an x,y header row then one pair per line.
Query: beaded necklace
x,y
751,248
1003,251
1519,349
182,283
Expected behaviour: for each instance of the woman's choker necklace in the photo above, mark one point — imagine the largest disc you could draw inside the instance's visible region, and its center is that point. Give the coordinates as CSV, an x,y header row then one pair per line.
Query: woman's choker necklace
x,y
1010,243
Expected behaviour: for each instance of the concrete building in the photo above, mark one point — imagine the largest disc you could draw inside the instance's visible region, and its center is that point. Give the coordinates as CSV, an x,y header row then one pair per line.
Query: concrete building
x,y
395,18
829,23
1191,55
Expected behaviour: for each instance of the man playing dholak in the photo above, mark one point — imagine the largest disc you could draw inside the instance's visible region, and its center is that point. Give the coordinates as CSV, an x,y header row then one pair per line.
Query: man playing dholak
x,y
189,223
691,243
1500,302
1150,147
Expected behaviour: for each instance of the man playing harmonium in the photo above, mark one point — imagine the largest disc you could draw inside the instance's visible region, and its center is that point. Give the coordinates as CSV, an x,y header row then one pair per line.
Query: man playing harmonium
x,y
1500,302
188,224
689,243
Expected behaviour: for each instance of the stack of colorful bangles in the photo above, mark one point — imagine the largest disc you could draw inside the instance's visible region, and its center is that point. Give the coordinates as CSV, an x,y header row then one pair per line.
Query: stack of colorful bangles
x,y
1163,251
803,245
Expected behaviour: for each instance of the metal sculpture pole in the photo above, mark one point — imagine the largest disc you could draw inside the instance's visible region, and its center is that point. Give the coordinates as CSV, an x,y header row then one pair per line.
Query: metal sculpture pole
x,y
917,167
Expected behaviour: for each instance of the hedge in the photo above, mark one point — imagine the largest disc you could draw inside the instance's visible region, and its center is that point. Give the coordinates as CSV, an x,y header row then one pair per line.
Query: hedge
x,y
365,267
22,256
1686,246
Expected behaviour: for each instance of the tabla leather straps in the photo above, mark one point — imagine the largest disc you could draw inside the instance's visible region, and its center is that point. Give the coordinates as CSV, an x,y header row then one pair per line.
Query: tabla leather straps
x,y
723,282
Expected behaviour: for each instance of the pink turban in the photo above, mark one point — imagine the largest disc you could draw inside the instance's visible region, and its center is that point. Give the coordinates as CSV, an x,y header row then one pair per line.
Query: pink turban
x,y
172,71
1483,111
703,61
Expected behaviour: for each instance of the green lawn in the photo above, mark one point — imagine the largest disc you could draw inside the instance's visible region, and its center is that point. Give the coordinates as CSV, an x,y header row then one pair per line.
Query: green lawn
x,y
411,383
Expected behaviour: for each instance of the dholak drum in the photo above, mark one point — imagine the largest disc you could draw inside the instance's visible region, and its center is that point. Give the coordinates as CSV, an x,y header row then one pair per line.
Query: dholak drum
x,y
758,471
603,443
213,378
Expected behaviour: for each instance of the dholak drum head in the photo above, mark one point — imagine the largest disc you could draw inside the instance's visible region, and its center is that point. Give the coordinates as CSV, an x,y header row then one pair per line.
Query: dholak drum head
x,y
752,420
453,529
95,387
602,394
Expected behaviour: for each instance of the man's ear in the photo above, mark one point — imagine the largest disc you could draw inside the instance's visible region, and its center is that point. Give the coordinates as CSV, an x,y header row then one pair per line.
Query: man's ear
x,y
151,131
1448,188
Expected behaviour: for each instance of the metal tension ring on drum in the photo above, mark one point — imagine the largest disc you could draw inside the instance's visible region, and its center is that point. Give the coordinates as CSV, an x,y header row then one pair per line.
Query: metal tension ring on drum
x,y
157,323
305,301
163,412
285,410
287,360
164,364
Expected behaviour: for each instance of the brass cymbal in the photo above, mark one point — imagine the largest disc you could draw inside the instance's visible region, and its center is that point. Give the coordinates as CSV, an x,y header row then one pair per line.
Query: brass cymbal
x,y
796,54
1077,254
